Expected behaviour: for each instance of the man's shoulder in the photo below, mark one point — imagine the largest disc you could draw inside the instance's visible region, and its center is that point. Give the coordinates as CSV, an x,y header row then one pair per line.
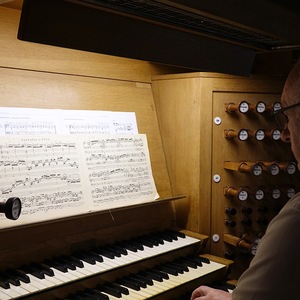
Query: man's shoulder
x,y
294,202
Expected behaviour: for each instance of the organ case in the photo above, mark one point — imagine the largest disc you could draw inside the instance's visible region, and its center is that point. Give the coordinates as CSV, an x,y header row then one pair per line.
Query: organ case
x,y
194,116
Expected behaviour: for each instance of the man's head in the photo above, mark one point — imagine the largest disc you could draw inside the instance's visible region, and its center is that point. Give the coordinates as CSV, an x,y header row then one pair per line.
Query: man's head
x,y
290,96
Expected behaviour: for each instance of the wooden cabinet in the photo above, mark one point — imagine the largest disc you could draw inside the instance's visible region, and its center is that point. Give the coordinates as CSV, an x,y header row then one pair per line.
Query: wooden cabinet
x,y
193,120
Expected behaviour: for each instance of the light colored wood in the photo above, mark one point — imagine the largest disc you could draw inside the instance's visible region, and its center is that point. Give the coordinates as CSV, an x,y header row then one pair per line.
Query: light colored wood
x,y
63,236
231,239
15,4
178,114
202,237
41,76
195,147
43,90
196,235
218,259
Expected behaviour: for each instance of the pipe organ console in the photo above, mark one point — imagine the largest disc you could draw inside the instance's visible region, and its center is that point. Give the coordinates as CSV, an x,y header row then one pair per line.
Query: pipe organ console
x,y
220,169
227,177
222,191
154,265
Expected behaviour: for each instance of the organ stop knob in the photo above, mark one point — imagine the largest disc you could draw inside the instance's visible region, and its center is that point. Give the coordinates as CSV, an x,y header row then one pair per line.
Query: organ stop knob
x,y
11,208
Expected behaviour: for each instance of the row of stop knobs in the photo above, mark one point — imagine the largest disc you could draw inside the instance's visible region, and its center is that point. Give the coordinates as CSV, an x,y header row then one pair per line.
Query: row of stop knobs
x,y
257,168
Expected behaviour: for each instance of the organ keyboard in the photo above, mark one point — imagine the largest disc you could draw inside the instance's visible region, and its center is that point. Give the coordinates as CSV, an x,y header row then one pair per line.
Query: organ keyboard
x,y
155,282
68,257
60,270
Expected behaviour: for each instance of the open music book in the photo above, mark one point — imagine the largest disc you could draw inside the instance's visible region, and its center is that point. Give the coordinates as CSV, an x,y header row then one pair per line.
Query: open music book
x,y
60,175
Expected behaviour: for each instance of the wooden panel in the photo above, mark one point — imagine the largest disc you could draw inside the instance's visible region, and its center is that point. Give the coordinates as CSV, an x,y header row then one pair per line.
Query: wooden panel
x,y
64,236
178,105
41,90
251,150
187,106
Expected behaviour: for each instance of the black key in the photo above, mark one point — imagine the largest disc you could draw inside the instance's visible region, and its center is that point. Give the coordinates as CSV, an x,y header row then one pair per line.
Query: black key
x,y
153,275
56,265
165,236
195,260
11,279
107,288
168,270
76,261
144,242
188,263
158,238
137,244
85,295
120,249
129,246
98,295
164,275
203,259
175,234
45,269
112,250
180,265
78,296
142,283
105,253
66,263
19,275
88,257
175,267
145,279
134,242
4,282
31,269
152,240
179,234
96,256
172,234
129,283
120,288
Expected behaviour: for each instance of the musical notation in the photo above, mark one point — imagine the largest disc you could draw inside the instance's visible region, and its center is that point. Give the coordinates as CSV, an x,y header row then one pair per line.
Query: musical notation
x,y
61,175
34,121
118,166
21,127
89,128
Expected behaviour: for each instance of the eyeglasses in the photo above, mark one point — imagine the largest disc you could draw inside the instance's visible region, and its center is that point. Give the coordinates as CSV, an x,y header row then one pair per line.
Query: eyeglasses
x,y
281,119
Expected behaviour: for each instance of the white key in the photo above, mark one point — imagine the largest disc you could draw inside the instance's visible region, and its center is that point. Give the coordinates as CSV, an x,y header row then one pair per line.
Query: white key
x,y
29,287
139,295
4,296
36,282
66,277
54,280
17,291
94,269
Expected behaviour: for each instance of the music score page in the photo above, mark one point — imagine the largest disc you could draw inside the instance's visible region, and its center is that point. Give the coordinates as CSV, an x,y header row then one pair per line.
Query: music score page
x,y
61,175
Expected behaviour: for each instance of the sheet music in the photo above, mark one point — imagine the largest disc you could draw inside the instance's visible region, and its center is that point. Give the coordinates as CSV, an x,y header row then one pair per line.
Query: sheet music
x,y
32,121
62,175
